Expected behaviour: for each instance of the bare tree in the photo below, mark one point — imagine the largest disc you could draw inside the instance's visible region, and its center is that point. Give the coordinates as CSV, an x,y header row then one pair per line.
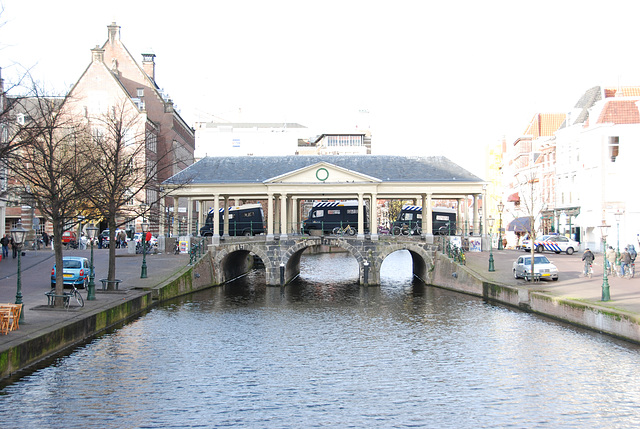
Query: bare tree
x,y
125,168
531,203
48,164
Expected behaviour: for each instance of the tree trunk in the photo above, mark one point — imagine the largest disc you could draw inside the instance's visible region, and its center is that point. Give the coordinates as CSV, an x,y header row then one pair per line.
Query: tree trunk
x,y
112,252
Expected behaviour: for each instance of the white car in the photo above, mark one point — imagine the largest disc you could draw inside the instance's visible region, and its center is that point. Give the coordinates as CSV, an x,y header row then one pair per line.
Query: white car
x,y
543,268
553,243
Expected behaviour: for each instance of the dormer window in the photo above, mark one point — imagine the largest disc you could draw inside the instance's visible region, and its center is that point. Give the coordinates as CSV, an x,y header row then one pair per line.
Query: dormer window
x,y
614,147
140,92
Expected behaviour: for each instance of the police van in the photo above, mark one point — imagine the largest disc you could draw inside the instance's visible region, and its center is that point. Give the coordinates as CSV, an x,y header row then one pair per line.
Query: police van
x,y
443,219
325,216
247,219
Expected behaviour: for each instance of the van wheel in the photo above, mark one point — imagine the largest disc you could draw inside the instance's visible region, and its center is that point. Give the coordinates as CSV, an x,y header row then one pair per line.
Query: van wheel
x,y
247,234
570,251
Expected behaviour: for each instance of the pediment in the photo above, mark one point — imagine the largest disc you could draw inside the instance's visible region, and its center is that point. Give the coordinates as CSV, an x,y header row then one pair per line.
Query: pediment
x,y
323,173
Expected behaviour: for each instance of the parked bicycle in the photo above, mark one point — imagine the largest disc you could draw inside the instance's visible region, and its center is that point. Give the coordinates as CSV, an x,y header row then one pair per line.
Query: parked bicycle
x,y
348,230
74,294
407,230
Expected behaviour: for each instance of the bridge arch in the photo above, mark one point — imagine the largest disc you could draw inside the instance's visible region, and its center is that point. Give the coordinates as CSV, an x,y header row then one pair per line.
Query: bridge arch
x,y
422,259
234,260
291,258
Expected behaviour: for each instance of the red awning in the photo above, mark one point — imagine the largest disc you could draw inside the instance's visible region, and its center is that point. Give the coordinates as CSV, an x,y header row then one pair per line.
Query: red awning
x,y
514,198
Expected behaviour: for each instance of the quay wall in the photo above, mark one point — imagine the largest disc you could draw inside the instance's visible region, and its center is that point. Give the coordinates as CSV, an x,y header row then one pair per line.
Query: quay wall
x,y
453,276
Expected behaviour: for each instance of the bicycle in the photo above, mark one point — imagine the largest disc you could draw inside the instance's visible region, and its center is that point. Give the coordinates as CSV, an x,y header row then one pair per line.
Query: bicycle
x,y
67,296
630,271
346,230
405,229
589,272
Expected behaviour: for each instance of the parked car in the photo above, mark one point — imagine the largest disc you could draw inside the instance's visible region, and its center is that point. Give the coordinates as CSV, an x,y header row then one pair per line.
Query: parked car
x,y
542,268
105,236
76,271
68,237
137,235
553,243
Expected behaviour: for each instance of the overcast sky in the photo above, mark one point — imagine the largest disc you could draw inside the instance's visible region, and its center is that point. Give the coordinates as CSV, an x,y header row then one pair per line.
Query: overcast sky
x,y
436,77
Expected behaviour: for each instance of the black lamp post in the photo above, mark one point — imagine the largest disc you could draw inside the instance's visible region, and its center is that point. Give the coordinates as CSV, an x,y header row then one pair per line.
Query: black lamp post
x,y
500,209
604,228
145,229
490,221
18,233
618,215
91,293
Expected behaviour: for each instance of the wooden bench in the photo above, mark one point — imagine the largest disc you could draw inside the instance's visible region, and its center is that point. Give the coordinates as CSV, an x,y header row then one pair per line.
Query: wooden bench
x,y
51,298
107,282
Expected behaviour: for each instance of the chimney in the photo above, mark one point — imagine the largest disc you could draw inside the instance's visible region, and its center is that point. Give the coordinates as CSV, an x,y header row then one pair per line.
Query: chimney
x,y
149,64
97,54
114,32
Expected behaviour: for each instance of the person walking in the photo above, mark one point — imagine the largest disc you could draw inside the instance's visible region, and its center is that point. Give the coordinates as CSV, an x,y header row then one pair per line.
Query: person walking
x,y
14,248
625,260
588,258
611,259
5,246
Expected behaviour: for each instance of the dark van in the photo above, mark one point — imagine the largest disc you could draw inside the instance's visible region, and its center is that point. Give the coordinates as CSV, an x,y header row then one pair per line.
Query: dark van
x,y
325,216
443,219
246,220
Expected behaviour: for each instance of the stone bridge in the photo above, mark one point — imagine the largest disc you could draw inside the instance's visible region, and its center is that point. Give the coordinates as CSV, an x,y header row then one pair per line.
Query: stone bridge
x,y
232,257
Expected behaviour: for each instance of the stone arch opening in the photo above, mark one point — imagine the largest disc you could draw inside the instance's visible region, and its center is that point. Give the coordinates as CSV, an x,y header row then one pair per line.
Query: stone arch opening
x,y
422,263
291,259
238,260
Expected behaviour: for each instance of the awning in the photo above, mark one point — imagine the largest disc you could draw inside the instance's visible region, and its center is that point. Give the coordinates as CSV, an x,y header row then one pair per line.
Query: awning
x,y
520,224
514,198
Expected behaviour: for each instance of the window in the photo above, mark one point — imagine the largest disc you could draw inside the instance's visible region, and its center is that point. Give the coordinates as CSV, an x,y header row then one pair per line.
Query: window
x,y
318,213
140,92
614,147
333,212
152,142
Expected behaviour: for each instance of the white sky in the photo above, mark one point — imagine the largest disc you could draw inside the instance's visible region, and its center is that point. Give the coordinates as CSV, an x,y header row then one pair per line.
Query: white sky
x,y
437,77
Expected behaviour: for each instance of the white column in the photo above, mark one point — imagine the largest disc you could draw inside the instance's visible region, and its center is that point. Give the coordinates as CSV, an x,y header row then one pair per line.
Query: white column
x,y
283,216
270,214
360,217
225,230
476,223
189,215
373,216
216,219
176,218
295,227
427,213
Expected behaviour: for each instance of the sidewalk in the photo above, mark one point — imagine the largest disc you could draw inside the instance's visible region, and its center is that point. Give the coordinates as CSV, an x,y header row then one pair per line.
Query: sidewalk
x,y
36,280
625,293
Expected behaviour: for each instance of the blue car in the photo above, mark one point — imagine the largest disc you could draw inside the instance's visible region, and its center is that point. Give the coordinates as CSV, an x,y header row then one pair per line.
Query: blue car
x,y
76,272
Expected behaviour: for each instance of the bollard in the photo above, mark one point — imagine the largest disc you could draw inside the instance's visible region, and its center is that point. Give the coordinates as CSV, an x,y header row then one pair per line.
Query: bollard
x,y
282,274
366,273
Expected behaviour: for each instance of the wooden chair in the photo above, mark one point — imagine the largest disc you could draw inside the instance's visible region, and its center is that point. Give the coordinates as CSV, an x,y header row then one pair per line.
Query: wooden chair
x,y
5,317
14,315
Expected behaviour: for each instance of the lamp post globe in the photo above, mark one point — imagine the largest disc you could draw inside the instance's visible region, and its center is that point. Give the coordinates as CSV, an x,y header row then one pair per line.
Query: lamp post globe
x,y
91,292
17,234
143,238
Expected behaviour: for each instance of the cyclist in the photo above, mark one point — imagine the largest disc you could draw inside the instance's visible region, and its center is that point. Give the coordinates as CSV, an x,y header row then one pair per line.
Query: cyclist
x,y
588,258
625,260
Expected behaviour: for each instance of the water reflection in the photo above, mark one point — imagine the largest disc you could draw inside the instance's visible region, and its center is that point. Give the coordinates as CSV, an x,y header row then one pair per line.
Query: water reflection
x,y
325,352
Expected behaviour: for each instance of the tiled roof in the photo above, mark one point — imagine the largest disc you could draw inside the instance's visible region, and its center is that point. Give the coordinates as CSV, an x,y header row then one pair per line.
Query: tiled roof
x,y
618,111
544,124
627,91
252,169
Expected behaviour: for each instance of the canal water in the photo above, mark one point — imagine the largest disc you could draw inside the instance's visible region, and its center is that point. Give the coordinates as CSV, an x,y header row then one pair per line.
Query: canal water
x,y
325,352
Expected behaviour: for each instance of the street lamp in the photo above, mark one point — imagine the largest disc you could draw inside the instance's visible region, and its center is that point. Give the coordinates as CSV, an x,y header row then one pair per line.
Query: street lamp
x,y
145,229
618,215
18,233
604,228
490,221
500,209
91,293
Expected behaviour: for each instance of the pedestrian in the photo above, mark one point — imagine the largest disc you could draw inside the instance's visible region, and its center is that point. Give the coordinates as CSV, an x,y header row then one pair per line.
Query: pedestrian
x,y
611,258
5,246
625,260
45,239
100,240
588,258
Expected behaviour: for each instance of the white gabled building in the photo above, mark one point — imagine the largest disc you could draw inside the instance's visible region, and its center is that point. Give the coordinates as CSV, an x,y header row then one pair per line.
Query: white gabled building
x,y
597,151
